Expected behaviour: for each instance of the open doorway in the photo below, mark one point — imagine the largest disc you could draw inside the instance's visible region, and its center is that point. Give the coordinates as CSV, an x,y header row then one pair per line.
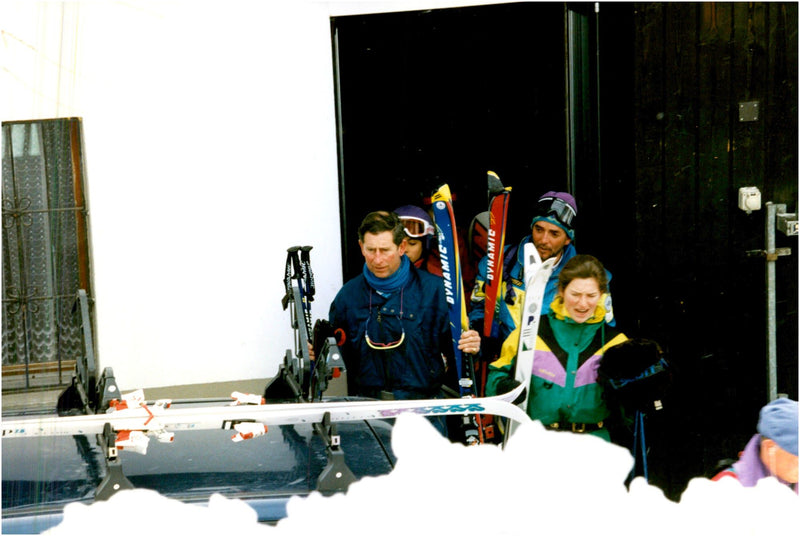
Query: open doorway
x,y
443,96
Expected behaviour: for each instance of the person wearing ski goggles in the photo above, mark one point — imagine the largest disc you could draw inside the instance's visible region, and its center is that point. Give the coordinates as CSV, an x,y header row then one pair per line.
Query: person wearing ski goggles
x,y
419,232
561,207
552,234
416,227
552,228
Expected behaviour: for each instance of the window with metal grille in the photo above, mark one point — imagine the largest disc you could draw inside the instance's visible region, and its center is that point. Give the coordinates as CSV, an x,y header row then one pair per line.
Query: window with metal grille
x,y
46,257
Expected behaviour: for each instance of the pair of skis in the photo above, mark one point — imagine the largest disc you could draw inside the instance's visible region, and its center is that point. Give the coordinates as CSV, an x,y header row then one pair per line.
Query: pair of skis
x,y
444,217
536,274
477,428
451,269
495,245
163,418
499,197
130,423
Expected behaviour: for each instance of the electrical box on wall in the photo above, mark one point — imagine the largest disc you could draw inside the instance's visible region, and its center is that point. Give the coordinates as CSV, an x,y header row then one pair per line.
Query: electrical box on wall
x,y
749,199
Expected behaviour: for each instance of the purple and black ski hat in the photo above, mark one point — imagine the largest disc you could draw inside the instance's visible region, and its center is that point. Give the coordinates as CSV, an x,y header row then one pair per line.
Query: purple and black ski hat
x,y
558,208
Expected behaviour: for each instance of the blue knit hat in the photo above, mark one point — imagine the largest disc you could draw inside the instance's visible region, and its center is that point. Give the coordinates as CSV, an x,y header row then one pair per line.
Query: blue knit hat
x,y
778,422
558,208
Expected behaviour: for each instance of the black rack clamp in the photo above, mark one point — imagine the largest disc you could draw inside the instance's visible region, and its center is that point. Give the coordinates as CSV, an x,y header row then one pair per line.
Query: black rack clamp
x,y
329,360
115,480
285,385
336,476
88,393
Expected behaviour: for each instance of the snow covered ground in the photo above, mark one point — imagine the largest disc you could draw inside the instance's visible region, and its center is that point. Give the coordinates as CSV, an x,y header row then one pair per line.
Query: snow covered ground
x,y
543,483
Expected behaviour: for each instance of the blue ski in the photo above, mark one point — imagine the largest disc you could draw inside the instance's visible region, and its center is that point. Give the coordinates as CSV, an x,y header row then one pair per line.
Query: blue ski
x,y
453,282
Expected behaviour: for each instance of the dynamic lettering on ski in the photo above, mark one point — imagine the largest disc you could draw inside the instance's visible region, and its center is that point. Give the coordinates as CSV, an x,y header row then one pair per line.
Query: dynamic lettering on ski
x,y
495,243
448,279
491,249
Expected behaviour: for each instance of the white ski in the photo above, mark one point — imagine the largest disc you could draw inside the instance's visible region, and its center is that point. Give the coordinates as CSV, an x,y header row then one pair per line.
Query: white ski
x,y
160,418
536,274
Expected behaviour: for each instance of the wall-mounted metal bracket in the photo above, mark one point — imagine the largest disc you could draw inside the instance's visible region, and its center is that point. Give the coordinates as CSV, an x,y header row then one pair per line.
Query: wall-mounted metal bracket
x,y
748,111
786,223
779,252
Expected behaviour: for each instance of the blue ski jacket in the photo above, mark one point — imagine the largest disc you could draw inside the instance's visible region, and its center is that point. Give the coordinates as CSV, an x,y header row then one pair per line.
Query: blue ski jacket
x,y
415,315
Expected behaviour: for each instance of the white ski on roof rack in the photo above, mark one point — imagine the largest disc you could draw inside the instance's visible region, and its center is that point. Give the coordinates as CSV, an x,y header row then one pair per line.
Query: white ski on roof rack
x,y
160,417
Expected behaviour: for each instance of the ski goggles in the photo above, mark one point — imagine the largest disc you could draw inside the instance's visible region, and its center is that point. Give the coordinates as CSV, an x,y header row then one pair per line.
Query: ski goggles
x,y
384,345
416,227
558,208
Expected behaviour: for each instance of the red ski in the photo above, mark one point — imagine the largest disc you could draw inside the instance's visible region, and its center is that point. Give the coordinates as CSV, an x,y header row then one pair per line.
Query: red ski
x,y
498,212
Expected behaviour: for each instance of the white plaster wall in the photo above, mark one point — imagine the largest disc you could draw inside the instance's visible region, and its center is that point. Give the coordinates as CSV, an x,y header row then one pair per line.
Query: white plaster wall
x,y
210,148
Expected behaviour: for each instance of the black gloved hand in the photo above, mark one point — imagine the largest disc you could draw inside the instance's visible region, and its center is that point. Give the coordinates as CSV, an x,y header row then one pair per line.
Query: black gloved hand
x,y
509,384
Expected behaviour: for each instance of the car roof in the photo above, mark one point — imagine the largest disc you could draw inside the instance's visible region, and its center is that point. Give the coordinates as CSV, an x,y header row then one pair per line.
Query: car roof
x,y
40,475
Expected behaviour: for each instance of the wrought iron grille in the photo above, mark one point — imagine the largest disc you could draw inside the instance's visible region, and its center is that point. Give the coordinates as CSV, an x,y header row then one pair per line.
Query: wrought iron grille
x,y
45,251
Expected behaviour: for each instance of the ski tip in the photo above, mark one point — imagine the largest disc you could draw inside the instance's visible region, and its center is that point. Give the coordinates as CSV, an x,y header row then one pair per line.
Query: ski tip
x,y
495,185
442,194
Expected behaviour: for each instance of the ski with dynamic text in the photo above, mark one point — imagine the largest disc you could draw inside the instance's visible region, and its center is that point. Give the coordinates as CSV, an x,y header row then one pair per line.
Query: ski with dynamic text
x,y
495,243
446,230
453,283
495,246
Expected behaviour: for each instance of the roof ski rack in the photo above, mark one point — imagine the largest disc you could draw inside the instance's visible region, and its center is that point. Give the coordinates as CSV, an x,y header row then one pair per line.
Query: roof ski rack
x,y
299,379
336,476
88,393
115,480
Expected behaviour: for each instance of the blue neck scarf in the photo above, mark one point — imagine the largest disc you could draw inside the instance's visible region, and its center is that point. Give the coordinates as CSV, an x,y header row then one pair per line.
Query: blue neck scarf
x,y
387,285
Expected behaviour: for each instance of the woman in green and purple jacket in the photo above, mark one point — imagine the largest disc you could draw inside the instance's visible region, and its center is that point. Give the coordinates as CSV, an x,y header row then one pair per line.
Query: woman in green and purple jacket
x,y
572,338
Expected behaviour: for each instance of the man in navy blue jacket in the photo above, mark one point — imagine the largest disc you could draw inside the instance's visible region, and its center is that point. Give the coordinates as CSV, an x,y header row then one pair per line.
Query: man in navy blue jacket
x,y
395,320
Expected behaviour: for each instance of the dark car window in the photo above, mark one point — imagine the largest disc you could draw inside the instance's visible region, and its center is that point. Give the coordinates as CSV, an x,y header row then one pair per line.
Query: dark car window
x,y
42,474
